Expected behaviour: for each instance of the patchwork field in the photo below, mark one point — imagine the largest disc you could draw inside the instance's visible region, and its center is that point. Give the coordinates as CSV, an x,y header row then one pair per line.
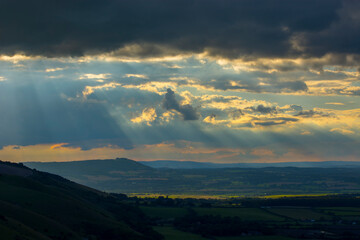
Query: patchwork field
x,y
267,220
248,214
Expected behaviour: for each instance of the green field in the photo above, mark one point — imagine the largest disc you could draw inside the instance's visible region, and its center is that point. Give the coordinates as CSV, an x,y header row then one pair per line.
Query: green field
x,y
248,214
342,211
275,216
298,213
164,212
172,234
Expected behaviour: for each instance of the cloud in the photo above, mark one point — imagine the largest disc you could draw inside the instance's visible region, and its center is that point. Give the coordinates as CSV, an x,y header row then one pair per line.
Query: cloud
x,y
342,131
95,76
186,110
53,69
296,107
250,82
91,89
210,119
265,122
334,87
335,103
136,76
236,114
311,113
238,28
340,36
263,110
148,115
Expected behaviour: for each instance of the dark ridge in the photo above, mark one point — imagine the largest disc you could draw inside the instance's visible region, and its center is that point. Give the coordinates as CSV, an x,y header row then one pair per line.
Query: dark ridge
x,y
8,168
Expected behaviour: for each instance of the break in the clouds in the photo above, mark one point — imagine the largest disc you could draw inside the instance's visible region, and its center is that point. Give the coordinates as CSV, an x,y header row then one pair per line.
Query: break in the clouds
x,y
206,80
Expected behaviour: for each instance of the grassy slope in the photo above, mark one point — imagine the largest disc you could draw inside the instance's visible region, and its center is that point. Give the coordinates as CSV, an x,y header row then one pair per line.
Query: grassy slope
x,y
44,206
12,229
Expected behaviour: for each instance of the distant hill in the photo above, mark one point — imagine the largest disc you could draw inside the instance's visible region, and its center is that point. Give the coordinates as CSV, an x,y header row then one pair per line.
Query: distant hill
x,y
98,174
175,177
203,165
89,167
41,206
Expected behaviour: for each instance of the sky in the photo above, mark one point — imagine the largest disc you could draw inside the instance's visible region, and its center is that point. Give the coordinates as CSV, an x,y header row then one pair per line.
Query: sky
x,y
200,80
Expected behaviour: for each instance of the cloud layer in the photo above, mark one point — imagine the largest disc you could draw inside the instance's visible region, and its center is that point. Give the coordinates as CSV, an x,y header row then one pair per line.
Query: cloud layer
x,y
231,29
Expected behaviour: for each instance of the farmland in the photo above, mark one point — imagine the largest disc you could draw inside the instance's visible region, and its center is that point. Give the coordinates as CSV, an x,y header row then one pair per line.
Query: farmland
x,y
254,218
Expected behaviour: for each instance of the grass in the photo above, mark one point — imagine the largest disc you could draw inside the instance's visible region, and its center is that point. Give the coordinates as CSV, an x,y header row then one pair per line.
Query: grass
x,y
56,209
180,196
353,209
34,220
223,196
298,213
164,212
172,234
295,195
256,238
249,214
12,230
342,211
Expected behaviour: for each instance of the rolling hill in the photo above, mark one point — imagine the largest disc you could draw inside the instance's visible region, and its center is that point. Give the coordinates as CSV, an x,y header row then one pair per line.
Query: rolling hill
x,y
36,205
89,167
202,165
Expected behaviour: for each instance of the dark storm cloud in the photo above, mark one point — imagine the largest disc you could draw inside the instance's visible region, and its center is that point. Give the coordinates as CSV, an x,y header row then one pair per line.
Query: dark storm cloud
x,y
186,110
341,36
157,27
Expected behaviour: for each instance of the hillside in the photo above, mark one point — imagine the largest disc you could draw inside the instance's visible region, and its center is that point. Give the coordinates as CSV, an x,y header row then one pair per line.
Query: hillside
x,y
37,205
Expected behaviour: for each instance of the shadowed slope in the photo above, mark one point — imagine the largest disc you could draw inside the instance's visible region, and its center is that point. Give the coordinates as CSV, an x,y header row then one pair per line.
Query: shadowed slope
x,y
40,205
